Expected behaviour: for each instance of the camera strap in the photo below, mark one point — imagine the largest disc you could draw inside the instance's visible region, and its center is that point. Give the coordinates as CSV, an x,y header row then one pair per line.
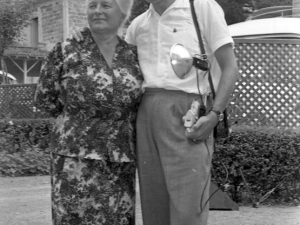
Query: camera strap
x,y
196,24
202,50
201,45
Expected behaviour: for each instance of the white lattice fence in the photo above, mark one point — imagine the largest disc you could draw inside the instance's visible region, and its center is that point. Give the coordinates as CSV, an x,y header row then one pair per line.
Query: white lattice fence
x,y
268,92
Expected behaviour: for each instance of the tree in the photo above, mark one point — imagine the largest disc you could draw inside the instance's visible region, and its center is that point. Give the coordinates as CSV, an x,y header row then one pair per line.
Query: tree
x,y
259,4
235,10
14,16
138,8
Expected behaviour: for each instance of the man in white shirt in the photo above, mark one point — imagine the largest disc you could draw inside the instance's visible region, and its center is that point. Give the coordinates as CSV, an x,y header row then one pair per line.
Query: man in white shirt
x,y
174,163
174,170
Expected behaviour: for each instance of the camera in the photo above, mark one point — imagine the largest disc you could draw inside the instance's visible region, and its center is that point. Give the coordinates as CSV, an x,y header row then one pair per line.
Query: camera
x,y
200,62
197,110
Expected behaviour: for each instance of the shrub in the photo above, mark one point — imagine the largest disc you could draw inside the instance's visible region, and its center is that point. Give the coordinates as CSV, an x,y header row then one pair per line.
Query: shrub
x,y
268,158
24,147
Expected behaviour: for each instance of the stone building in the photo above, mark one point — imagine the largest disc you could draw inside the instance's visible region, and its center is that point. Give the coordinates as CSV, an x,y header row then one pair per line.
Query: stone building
x,y
296,8
51,22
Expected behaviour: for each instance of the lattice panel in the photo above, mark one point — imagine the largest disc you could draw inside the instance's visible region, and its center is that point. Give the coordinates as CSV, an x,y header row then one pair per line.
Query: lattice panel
x,y
268,92
16,101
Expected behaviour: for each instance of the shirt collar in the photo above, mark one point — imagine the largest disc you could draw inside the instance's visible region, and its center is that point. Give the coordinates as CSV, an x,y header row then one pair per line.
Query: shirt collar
x,y
175,4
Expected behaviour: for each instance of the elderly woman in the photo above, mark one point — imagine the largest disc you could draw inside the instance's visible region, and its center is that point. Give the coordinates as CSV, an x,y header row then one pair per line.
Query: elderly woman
x,y
92,89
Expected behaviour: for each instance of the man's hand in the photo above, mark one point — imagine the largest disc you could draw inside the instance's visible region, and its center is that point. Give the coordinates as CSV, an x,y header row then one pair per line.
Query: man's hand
x,y
203,128
76,33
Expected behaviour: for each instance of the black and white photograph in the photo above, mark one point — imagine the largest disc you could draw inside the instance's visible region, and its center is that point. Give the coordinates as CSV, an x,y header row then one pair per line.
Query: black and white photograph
x,y
149,112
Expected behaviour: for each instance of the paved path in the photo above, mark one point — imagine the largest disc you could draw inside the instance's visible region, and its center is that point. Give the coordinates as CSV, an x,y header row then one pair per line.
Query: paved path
x,y
26,201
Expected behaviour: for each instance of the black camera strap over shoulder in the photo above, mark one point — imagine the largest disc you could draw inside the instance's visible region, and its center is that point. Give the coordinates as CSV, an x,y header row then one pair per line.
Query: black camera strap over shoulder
x,y
202,49
204,56
196,24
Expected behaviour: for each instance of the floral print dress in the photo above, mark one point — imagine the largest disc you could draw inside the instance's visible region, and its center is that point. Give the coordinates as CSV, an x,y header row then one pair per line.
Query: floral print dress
x,y
93,138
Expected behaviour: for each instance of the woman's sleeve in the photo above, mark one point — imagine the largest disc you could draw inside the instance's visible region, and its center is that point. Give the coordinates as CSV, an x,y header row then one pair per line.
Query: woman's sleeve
x,y
47,96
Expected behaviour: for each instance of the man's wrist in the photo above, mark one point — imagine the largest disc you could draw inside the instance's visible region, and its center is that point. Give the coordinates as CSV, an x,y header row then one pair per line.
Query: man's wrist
x,y
213,116
218,113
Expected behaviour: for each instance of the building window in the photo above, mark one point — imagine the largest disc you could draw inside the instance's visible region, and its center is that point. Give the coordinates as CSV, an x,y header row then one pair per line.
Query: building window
x,y
34,32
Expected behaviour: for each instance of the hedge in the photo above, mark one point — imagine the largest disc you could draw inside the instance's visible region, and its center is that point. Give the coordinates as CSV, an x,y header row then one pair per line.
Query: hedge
x,y
269,159
24,147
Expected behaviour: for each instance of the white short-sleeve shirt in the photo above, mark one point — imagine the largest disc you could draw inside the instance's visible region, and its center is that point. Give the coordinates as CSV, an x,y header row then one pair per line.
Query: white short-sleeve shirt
x,y
154,35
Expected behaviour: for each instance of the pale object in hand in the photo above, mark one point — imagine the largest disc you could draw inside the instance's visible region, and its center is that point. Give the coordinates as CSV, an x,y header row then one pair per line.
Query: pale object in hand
x,y
197,110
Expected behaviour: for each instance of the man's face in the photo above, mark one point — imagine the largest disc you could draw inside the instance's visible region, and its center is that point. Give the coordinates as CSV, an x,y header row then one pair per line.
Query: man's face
x,y
154,1
161,3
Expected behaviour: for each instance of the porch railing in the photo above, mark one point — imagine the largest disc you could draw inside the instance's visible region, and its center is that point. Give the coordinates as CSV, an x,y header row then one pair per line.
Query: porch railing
x,y
16,102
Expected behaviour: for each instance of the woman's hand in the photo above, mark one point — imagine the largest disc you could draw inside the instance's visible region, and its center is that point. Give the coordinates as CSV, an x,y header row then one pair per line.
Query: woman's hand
x,y
76,33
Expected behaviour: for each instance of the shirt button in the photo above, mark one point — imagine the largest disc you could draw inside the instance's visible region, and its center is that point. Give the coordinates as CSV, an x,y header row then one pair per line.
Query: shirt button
x,y
174,30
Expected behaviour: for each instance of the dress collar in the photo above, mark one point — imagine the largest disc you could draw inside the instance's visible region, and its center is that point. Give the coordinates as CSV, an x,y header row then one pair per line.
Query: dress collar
x,y
87,34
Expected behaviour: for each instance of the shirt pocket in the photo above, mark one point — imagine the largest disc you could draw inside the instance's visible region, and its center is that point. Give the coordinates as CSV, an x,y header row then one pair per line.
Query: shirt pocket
x,y
183,32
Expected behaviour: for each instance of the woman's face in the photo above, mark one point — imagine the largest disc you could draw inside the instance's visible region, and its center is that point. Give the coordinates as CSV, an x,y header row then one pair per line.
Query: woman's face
x,y
104,15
